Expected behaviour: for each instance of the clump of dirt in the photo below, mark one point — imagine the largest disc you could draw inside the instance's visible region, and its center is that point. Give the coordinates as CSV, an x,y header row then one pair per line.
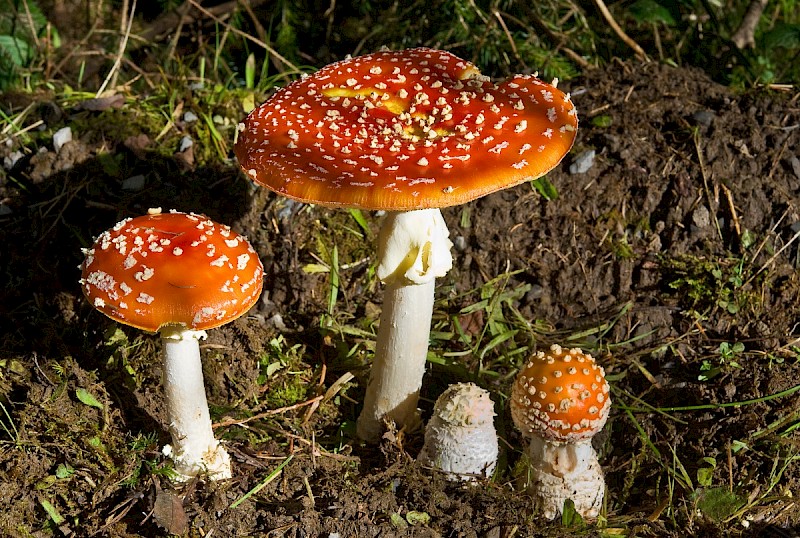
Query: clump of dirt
x,y
673,257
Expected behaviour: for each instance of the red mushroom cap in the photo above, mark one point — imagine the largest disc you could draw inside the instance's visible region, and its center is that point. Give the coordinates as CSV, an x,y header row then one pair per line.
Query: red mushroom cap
x,y
411,129
560,395
172,269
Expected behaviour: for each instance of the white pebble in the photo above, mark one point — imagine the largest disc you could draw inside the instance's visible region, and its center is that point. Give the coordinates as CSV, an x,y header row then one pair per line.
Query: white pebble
x,y
61,137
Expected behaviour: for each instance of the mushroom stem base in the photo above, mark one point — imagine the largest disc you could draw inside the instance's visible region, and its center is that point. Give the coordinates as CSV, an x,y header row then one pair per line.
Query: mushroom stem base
x,y
194,448
400,356
559,471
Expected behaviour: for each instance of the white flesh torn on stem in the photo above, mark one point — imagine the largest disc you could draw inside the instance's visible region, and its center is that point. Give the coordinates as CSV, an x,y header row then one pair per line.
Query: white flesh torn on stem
x,y
194,449
565,470
413,249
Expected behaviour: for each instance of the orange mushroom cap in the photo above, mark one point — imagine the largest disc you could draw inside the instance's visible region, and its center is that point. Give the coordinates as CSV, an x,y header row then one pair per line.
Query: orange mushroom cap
x,y
172,269
560,395
404,130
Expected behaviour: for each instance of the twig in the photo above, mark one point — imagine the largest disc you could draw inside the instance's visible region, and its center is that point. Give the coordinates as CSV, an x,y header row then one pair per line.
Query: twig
x,y
173,45
744,36
232,421
773,257
122,46
34,33
713,203
270,477
555,39
166,23
619,31
734,217
508,36
238,32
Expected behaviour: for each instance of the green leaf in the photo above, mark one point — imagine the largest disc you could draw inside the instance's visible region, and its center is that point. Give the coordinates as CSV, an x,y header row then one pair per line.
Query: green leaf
x,y
651,11
51,510
604,120
87,398
250,72
783,35
570,517
418,518
545,188
358,216
16,49
705,476
315,268
64,470
397,521
718,503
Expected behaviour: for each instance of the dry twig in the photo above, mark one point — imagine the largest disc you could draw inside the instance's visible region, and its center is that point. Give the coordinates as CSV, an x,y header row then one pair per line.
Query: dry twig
x,y
618,30
744,36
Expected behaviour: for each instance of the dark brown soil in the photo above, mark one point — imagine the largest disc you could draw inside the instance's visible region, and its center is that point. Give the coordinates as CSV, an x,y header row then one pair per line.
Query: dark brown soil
x,y
680,238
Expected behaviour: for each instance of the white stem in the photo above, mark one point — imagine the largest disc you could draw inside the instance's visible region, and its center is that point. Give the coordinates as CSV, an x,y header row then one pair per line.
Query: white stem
x,y
399,365
194,448
561,471
413,250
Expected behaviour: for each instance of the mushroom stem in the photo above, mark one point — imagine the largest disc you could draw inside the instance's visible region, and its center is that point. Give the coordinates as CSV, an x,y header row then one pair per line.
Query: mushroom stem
x,y
194,448
413,249
565,470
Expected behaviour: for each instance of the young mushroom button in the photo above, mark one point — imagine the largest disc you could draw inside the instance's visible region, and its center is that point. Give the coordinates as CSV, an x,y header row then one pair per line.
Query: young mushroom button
x,y
178,274
409,132
559,401
460,438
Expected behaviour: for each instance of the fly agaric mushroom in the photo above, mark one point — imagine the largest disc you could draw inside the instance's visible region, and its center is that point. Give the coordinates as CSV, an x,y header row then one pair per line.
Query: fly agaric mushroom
x,y
460,438
408,132
178,274
559,401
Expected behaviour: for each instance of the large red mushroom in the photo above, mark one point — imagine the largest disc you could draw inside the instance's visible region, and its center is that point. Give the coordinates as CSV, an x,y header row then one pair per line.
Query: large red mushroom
x,y
177,274
408,132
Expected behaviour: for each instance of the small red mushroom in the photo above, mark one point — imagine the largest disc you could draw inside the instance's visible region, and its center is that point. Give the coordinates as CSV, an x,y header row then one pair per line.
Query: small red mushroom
x,y
559,401
178,274
409,132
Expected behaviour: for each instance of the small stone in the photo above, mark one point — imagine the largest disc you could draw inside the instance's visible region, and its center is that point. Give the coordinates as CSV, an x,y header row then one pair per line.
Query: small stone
x,y
460,243
189,116
133,183
61,137
704,118
701,217
583,162
186,143
288,209
795,162
10,160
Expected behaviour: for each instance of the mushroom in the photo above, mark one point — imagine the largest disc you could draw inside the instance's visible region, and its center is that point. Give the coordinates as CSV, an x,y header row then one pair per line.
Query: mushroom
x,y
559,401
460,438
408,132
178,274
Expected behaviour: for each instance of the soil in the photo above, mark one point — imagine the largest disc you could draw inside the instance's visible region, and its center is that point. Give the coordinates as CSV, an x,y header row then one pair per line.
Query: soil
x,y
678,243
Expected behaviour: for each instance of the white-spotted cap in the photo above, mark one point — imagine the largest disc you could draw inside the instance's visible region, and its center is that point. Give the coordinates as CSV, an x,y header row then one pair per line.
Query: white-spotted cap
x,y
561,394
404,130
171,269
